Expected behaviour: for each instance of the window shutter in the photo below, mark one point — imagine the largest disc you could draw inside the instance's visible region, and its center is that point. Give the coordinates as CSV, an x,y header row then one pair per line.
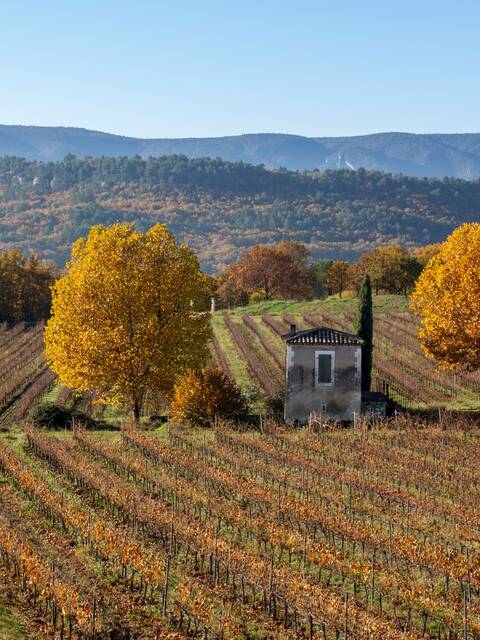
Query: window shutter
x,y
324,368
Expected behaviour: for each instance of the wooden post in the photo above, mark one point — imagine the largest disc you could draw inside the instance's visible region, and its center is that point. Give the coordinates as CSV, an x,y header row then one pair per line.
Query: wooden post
x,y
305,546
270,579
94,616
467,551
346,616
372,584
165,586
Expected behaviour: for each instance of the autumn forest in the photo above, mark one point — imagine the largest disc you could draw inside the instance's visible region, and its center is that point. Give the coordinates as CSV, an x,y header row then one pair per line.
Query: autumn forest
x,y
220,208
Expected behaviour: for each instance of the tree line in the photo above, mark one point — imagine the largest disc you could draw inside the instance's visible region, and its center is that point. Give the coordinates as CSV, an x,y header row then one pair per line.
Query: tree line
x,y
263,272
285,271
88,176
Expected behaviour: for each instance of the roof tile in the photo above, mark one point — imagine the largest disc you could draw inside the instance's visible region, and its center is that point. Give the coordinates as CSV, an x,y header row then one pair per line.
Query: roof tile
x,y
323,335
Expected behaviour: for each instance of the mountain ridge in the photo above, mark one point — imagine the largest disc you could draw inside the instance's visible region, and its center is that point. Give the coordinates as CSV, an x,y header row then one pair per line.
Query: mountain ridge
x,y
416,154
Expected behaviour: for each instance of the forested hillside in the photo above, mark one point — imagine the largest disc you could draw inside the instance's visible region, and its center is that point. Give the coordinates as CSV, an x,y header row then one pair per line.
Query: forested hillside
x,y
220,208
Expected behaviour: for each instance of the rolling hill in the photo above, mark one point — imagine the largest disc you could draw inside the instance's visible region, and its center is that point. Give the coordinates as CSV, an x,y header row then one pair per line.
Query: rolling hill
x,y
220,208
430,155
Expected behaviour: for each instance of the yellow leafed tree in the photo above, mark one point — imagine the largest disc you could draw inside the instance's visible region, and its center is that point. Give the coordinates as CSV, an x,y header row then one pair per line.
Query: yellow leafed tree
x,y
447,298
125,319
337,276
199,396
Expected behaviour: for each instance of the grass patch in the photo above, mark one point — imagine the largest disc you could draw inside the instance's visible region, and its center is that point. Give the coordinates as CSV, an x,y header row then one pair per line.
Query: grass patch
x,y
113,414
234,359
381,303
53,394
9,628
13,622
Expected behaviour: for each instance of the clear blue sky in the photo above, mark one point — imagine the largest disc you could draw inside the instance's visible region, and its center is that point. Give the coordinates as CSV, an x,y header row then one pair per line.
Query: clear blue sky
x,y
176,68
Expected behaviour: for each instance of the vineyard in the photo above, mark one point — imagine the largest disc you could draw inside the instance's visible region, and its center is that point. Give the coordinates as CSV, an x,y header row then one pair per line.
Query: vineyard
x,y
24,375
248,347
220,534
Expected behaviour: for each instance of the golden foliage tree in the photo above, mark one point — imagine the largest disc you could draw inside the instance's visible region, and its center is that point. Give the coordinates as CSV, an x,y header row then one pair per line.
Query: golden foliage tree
x,y
426,253
390,267
24,287
447,298
125,318
337,276
199,396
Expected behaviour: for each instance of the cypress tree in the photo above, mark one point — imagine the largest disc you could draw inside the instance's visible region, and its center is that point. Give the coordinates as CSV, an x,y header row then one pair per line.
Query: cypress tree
x,y
363,327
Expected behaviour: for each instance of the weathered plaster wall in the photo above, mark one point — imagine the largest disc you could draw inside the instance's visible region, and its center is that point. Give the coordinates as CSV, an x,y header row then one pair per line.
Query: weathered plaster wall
x,y
305,396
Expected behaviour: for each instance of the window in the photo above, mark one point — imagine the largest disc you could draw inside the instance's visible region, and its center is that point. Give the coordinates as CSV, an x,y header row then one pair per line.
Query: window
x,y
324,367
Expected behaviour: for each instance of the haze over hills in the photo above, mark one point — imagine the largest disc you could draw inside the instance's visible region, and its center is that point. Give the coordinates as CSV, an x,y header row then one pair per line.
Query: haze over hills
x,y
430,155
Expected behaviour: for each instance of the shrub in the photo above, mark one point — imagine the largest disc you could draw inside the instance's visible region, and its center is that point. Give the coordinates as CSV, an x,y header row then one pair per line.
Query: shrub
x,y
256,296
199,396
91,423
48,415
251,394
274,405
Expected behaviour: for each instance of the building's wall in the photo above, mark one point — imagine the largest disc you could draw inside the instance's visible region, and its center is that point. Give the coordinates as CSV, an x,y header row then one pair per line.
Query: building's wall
x,y
305,396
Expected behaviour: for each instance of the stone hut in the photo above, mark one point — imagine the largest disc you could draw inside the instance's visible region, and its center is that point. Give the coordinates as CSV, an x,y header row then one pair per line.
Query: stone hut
x,y
323,374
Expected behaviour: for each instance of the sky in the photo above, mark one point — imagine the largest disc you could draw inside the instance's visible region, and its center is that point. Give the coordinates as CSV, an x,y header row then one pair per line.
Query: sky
x,y
179,68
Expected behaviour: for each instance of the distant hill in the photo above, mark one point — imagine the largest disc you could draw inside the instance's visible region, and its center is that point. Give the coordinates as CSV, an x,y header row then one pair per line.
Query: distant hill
x,y
220,207
422,155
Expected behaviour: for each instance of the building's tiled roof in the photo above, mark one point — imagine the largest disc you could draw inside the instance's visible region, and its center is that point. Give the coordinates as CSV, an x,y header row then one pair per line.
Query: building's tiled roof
x,y
322,335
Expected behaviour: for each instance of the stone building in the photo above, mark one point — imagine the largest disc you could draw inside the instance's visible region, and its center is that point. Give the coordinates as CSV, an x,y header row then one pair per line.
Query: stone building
x,y
323,374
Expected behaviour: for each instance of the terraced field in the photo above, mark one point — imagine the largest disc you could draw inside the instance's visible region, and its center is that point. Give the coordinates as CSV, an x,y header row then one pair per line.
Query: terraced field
x,y
248,346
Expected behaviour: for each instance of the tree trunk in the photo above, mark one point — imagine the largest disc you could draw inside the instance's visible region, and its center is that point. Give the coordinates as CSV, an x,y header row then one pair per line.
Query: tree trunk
x,y
136,411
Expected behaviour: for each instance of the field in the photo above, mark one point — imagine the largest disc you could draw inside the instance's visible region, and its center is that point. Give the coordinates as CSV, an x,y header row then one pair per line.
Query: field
x,y
248,346
24,375
286,534
220,534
